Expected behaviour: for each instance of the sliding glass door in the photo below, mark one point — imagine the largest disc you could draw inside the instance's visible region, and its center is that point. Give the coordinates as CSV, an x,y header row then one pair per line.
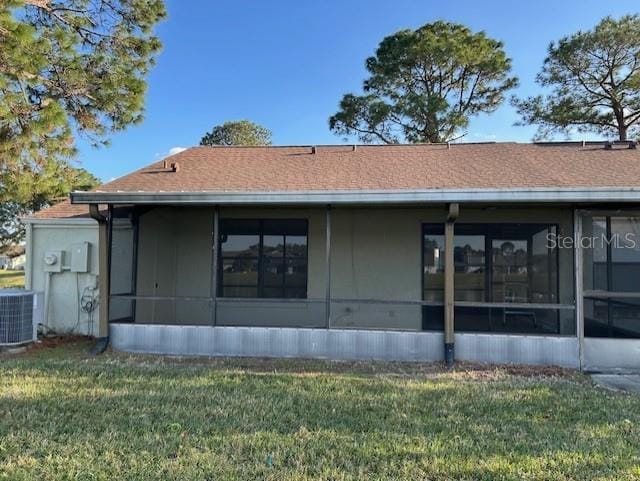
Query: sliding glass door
x,y
506,278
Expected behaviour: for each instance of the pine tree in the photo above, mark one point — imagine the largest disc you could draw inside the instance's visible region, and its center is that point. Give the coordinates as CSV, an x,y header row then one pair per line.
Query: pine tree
x,y
27,190
71,66
425,84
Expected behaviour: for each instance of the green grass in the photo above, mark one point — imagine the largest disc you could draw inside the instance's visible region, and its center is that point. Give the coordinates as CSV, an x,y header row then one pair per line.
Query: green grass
x,y
66,416
11,278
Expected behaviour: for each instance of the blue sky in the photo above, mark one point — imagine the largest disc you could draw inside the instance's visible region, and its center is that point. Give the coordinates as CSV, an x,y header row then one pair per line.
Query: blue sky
x,y
286,64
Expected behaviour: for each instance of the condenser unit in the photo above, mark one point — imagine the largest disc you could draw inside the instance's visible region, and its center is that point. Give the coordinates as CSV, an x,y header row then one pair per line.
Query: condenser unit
x,y
20,313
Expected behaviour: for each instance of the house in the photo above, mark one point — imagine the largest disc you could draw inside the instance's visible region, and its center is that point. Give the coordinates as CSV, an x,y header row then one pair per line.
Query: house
x,y
13,258
496,252
18,262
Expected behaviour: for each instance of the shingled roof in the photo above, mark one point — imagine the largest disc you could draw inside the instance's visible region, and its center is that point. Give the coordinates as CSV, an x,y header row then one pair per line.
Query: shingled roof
x,y
393,168
62,210
381,167
65,210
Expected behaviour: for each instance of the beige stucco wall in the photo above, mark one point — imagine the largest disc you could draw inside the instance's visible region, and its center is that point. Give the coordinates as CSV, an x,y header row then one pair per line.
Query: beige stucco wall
x,y
376,254
65,288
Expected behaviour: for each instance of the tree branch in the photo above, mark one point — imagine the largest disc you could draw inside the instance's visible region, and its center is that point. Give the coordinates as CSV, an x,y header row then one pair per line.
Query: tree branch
x,y
371,132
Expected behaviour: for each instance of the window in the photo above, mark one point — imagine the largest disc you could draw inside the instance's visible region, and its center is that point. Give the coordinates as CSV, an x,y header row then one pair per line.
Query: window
x,y
263,258
469,264
433,263
493,263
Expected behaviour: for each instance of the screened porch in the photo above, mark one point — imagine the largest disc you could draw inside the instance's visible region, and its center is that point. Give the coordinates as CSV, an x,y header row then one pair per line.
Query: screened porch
x,y
356,268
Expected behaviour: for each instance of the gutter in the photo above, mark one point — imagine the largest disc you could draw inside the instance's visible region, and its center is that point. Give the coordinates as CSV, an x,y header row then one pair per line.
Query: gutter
x,y
94,212
59,221
315,197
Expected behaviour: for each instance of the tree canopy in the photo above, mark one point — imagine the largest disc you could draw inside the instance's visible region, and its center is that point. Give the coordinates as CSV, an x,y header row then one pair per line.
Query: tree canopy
x,y
237,132
71,66
594,77
26,190
425,84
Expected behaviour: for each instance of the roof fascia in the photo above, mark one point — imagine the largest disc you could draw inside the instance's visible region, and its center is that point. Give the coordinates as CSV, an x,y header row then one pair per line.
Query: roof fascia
x,y
435,196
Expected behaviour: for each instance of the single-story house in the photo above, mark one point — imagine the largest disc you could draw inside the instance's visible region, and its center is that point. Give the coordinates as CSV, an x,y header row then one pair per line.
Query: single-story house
x,y
496,252
13,258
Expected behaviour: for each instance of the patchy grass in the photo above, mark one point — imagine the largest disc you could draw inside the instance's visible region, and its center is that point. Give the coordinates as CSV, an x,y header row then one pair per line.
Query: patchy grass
x,y
11,279
67,416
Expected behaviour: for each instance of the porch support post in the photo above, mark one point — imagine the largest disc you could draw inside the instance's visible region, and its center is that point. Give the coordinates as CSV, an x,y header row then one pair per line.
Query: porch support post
x,y
328,268
103,269
214,264
449,288
578,291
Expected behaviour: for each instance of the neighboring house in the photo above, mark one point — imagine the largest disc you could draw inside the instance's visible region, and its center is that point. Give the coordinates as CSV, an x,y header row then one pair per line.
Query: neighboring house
x,y
396,252
18,262
13,258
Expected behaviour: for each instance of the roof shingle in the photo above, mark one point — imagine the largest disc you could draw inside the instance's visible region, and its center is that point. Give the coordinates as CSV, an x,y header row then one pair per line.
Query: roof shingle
x,y
62,210
388,167
379,167
65,210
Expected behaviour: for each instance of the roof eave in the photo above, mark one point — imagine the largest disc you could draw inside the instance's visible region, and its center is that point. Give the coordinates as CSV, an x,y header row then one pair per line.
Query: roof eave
x,y
72,221
435,196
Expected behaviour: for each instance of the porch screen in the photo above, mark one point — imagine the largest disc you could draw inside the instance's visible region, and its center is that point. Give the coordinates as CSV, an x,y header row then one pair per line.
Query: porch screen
x,y
263,258
495,264
612,277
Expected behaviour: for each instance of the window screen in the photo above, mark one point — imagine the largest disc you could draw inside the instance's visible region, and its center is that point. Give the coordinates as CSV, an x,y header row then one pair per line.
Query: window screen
x,y
612,266
494,263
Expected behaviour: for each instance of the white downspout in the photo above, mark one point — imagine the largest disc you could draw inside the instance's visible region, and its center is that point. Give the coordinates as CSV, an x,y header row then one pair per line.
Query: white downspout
x,y
28,281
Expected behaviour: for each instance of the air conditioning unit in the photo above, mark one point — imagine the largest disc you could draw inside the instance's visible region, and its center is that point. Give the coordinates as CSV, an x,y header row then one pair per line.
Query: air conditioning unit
x,y
20,313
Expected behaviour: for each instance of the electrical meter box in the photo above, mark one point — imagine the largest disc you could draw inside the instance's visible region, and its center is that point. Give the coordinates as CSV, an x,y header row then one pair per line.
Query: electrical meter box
x,y
80,257
52,261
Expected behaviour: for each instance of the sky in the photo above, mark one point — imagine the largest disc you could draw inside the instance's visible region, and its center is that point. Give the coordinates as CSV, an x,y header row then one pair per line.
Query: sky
x,y
286,64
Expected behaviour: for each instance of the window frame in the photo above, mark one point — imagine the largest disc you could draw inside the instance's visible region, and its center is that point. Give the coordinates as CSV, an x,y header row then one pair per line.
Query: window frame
x,y
260,259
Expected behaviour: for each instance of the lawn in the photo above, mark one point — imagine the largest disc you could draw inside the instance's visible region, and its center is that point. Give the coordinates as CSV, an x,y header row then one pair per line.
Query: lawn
x,y
11,279
66,416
